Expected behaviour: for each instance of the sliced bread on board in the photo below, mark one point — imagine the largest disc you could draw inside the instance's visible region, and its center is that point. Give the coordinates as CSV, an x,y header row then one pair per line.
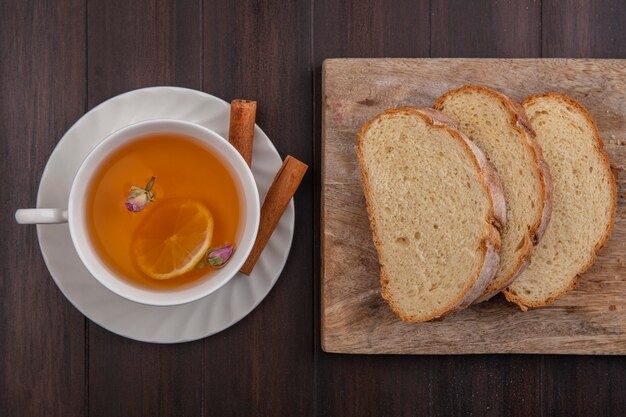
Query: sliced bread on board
x,y
499,126
435,208
584,200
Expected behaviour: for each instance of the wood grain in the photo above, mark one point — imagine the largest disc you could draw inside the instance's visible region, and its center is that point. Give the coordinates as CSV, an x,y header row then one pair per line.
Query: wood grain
x,y
272,51
371,28
579,385
477,28
585,386
351,385
42,61
134,44
591,29
507,385
261,50
474,28
354,316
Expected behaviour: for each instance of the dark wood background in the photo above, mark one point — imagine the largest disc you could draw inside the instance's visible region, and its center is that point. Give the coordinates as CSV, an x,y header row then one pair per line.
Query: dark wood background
x,y
58,59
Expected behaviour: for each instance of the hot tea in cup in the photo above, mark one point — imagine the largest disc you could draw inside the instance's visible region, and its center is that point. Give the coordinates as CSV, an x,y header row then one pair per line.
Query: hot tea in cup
x,y
162,212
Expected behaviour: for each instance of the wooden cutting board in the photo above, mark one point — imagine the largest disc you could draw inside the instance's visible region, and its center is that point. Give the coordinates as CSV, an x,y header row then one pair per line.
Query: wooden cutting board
x,y
355,319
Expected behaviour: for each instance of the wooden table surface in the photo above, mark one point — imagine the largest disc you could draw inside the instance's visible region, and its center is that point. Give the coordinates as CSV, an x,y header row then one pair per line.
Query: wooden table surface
x,y
58,59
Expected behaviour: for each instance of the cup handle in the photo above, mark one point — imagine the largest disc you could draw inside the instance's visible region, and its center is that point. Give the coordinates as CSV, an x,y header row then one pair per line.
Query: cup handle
x,y
41,216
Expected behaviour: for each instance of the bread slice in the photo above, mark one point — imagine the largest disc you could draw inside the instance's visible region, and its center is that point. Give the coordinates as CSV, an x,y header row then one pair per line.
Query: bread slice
x,y
584,200
499,126
434,206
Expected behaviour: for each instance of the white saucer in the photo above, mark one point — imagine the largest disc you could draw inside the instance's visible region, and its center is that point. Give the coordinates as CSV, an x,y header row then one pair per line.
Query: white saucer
x,y
174,324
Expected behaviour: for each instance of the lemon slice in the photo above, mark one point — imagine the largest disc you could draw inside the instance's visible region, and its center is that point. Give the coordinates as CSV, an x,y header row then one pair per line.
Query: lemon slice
x,y
173,238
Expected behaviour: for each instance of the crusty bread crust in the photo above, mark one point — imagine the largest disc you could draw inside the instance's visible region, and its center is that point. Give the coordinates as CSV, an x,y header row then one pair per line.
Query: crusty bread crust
x,y
490,244
520,122
524,305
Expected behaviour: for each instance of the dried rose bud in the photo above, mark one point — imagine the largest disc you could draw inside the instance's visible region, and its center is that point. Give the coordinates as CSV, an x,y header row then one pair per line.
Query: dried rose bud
x,y
218,257
138,198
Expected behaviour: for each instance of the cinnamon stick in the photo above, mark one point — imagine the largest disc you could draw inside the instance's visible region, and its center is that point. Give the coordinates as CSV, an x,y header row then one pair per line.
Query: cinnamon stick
x,y
283,187
241,130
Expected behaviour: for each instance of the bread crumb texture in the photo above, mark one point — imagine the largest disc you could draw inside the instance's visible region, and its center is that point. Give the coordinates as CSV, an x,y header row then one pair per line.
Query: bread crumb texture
x,y
429,209
584,200
484,116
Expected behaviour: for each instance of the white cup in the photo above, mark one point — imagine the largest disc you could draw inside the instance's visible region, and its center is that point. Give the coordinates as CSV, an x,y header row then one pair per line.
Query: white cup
x,y
75,214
